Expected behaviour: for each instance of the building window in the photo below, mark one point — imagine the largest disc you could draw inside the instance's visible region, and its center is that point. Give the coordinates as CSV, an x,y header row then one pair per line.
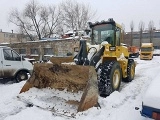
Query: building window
x,y
12,36
34,51
22,51
6,35
48,51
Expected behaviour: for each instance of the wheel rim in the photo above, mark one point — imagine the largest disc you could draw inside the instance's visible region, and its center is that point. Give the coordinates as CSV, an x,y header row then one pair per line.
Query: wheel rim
x,y
132,71
22,77
116,79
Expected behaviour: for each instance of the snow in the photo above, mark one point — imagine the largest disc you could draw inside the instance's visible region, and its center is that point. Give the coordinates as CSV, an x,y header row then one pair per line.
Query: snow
x,y
126,104
147,44
156,52
152,97
4,43
92,50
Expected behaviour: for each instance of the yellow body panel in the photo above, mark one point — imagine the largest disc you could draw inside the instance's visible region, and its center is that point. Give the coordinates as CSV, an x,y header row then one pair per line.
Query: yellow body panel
x,y
121,54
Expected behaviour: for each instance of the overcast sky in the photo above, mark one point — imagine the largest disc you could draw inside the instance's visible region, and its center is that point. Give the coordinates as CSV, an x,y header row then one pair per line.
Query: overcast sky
x,y
122,11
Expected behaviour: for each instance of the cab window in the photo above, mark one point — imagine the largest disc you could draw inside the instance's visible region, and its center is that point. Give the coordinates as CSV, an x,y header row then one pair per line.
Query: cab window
x,y
11,55
102,33
118,36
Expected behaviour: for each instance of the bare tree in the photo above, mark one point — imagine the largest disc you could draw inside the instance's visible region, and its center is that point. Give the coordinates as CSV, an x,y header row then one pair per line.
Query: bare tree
x,y
31,13
37,20
141,29
132,28
151,28
76,15
61,29
17,19
52,18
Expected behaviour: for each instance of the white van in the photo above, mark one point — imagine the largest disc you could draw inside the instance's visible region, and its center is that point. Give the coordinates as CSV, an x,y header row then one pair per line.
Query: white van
x,y
13,65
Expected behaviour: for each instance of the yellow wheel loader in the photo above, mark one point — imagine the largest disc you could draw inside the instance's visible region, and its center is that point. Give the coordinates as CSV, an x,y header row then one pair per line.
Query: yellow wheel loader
x,y
97,69
109,57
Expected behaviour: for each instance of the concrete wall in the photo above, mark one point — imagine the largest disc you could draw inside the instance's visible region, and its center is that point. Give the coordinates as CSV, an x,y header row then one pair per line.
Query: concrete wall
x,y
155,41
58,47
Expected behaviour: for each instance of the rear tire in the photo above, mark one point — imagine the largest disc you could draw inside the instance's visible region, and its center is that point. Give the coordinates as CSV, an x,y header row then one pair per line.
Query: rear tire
x,y
110,78
130,71
22,75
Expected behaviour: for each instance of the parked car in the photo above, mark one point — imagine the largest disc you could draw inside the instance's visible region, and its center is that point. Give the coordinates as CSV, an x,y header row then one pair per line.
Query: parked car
x,y
13,65
151,100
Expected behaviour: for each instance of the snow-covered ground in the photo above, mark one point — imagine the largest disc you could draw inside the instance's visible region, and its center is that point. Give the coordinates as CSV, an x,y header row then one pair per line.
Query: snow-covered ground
x,y
122,105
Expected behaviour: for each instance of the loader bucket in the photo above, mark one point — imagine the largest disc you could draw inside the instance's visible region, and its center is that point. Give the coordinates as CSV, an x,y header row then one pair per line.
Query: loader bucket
x,y
73,78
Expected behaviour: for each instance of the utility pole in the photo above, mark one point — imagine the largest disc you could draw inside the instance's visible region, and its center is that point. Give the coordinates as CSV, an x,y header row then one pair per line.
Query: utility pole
x,y
11,36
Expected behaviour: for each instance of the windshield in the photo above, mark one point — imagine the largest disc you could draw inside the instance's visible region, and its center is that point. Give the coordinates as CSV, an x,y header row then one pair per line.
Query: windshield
x,y
102,33
146,49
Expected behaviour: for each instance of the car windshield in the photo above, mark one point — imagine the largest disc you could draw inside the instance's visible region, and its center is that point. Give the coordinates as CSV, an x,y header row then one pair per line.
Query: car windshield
x,y
146,49
102,33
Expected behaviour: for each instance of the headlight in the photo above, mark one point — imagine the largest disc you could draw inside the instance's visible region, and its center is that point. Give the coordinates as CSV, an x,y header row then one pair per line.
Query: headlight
x,y
112,48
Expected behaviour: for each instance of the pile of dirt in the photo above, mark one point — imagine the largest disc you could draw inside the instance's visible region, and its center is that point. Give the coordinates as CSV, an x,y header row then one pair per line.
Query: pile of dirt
x,y
60,76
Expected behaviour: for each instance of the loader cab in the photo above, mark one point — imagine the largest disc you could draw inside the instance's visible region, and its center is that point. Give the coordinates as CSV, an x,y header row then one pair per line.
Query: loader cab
x,y
105,31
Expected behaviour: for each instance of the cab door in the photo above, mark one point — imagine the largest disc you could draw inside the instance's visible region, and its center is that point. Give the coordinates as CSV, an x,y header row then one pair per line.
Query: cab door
x,y
11,63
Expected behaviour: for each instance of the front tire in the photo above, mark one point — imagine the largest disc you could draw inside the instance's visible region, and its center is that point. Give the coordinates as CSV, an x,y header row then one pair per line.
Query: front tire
x,y
22,75
110,78
130,71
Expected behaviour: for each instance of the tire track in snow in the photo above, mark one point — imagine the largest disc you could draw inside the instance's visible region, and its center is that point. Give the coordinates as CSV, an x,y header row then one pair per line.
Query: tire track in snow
x,y
130,92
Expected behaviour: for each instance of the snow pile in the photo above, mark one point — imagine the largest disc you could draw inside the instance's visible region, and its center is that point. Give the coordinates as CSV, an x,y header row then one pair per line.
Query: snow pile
x,y
51,99
156,52
152,97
